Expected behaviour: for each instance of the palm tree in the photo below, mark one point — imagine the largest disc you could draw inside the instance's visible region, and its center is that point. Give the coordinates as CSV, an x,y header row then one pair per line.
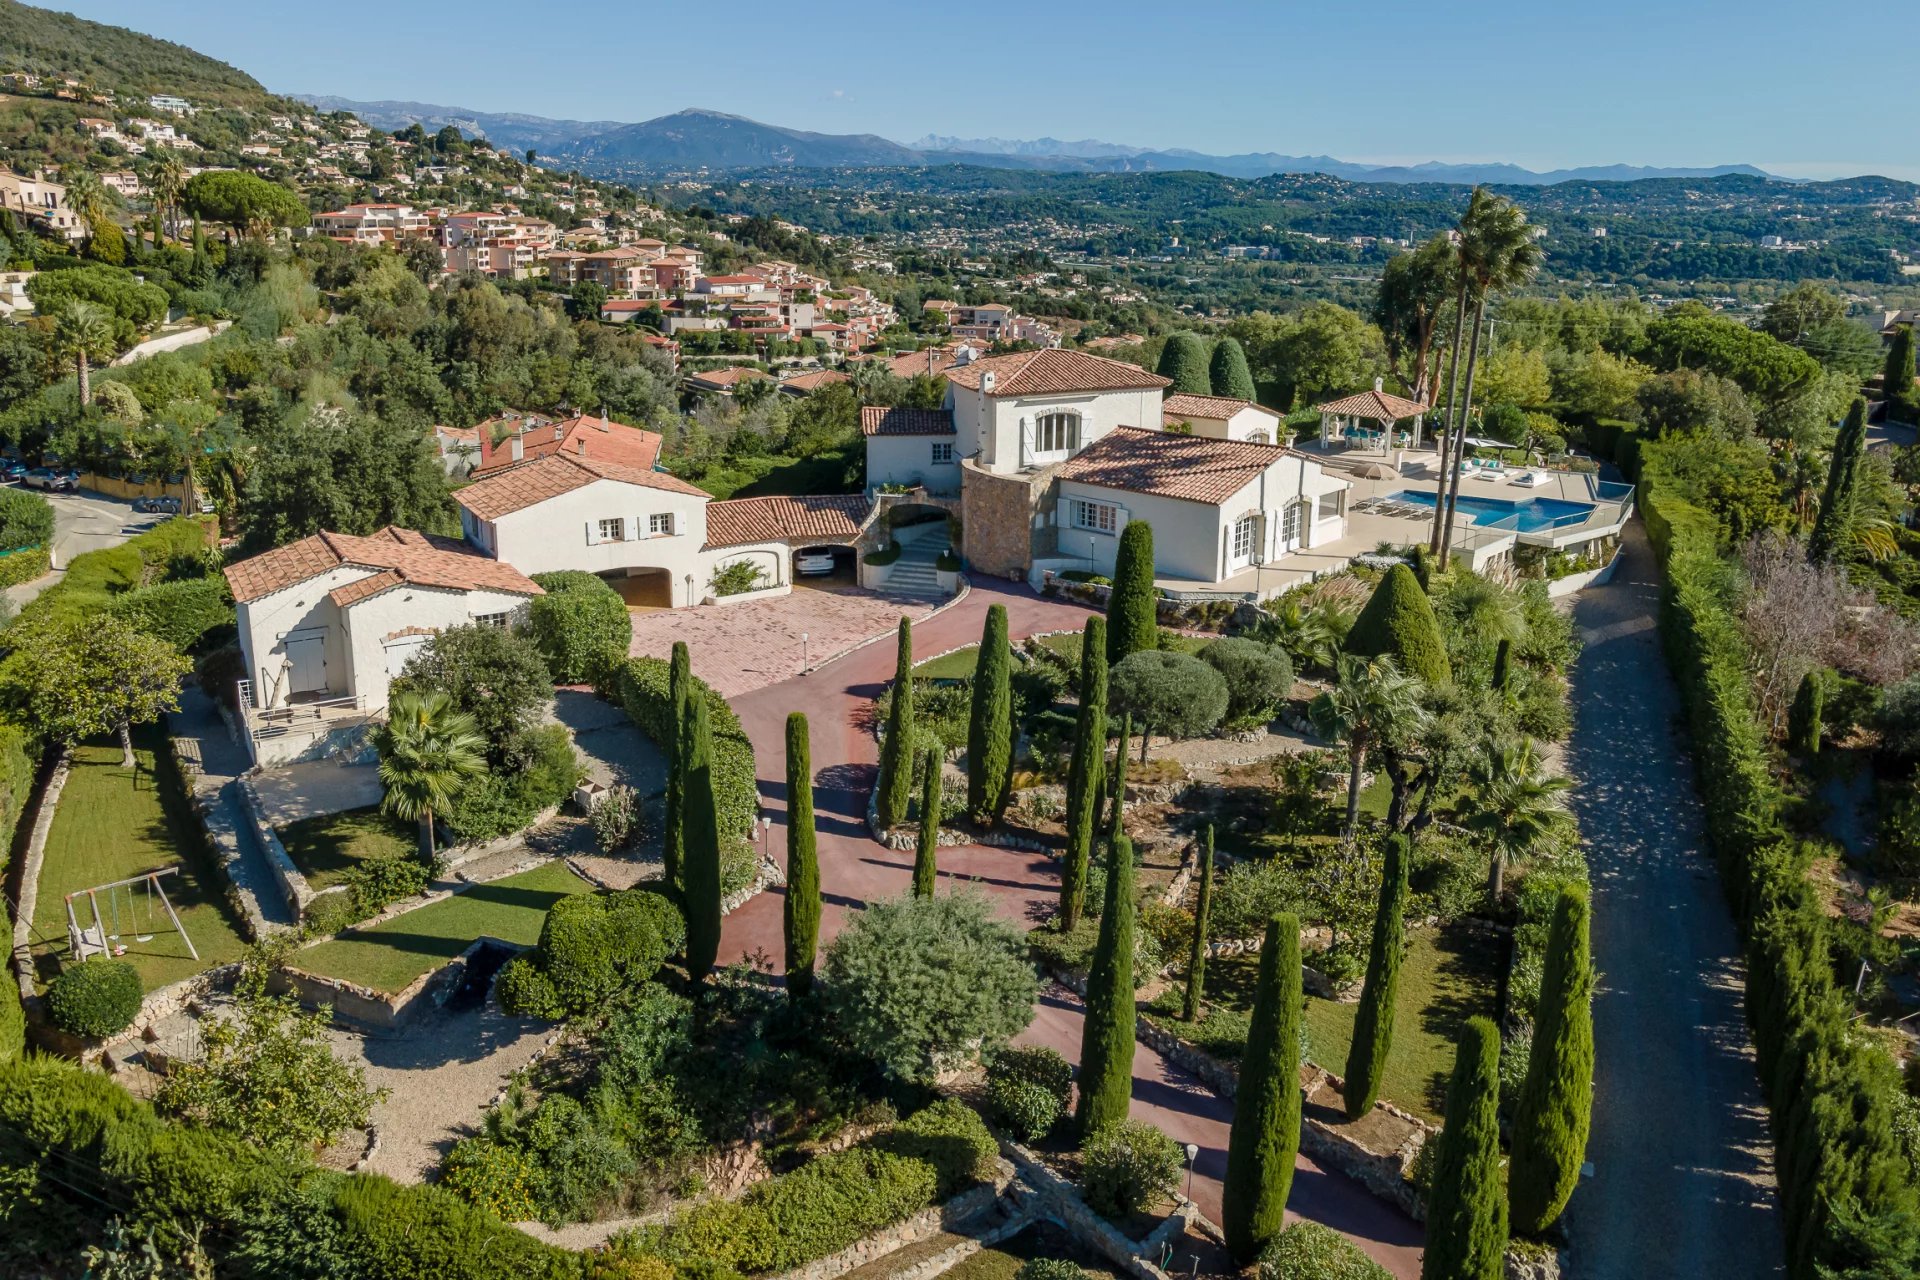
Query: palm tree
x,y
428,752
1413,293
1515,806
1370,699
1497,252
1486,611
87,197
82,332
1311,634
166,179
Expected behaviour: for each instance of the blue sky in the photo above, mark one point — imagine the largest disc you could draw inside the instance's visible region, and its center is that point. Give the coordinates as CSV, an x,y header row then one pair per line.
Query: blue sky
x,y
1787,87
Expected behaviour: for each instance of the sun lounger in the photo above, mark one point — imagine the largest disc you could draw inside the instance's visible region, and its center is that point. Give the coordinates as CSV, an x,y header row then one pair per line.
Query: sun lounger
x,y
1531,479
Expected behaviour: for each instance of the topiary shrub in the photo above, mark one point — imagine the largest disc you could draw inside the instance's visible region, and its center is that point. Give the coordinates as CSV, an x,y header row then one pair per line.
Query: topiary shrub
x,y
1050,1269
949,1136
97,998
581,625
1025,1109
1309,1251
594,945
1037,1065
1167,692
1258,676
1398,622
1128,1168
524,990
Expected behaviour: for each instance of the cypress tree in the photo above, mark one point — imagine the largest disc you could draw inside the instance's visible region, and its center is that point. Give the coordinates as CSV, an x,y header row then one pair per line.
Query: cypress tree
x,y
1184,360
801,915
1266,1109
1467,1210
1197,954
673,844
1085,771
924,866
1556,1100
1805,716
1228,371
1119,797
1831,526
990,728
1502,662
1398,623
1373,1021
701,871
1896,380
1133,620
1106,1044
895,786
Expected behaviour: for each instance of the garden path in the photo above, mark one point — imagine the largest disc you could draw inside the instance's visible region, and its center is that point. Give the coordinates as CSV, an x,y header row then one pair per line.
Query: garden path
x,y
855,870
1680,1149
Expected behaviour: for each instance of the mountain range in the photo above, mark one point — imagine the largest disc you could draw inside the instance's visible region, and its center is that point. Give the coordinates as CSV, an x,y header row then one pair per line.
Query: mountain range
x,y
696,139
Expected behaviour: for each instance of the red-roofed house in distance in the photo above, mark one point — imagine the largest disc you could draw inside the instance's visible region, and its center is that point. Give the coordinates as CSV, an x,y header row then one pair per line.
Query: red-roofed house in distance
x,y
327,622
507,441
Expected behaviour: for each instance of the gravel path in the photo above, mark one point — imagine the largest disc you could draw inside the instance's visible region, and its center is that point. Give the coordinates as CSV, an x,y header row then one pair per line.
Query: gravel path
x,y
1680,1148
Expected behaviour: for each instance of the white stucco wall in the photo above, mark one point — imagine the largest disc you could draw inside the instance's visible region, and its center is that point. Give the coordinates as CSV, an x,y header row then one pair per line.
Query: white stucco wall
x,y
266,623
909,460
372,624
1243,425
991,424
561,532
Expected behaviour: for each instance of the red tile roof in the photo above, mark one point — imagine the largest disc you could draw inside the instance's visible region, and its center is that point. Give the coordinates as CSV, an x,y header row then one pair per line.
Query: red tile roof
x,y
814,518
723,379
1170,465
1182,405
933,360
879,420
409,557
814,381
1037,373
1377,405
599,438
527,484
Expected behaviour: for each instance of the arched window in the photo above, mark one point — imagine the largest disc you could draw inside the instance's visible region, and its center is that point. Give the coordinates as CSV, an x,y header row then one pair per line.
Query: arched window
x,y
1259,437
1056,433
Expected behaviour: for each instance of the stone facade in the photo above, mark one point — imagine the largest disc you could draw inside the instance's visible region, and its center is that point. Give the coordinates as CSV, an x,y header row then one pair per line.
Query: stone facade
x,y
997,517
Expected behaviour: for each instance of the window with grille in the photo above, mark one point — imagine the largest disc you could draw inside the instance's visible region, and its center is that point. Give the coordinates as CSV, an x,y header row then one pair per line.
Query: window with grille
x,y
1245,530
1056,433
942,452
1100,517
614,530
490,620
660,524
1290,522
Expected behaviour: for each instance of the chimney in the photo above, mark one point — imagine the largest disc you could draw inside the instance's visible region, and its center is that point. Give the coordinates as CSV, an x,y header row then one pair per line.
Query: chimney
x,y
986,382
1379,384
519,451
581,442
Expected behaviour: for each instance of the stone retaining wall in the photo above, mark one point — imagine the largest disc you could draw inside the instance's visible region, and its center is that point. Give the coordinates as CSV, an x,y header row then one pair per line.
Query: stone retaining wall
x,y
1059,1202
955,1216
29,899
372,1008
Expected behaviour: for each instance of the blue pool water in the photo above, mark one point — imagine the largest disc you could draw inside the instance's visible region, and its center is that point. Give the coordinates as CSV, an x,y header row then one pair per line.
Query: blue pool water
x,y
1527,515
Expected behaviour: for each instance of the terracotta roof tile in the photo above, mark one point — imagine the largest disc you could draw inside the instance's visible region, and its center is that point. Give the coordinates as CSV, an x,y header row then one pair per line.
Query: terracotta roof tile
x,y
879,420
814,381
1036,373
1377,405
816,517
599,438
1182,405
1170,465
405,555
723,379
517,487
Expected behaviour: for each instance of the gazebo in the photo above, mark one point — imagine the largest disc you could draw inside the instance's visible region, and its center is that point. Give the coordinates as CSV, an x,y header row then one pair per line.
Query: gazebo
x,y
1340,419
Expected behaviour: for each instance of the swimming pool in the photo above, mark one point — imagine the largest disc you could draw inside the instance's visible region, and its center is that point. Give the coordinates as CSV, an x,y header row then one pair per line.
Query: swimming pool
x,y
1526,515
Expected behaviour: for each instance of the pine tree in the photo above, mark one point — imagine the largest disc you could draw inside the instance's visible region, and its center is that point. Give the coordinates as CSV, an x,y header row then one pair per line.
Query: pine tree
x,y
1106,1043
1556,1100
1831,526
801,913
1197,952
1373,1021
990,728
701,871
1896,381
673,846
925,867
1502,663
1184,360
1804,718
1085,772
1133,618
1467,1209
1228,370
1398,623
1266,1108
895,786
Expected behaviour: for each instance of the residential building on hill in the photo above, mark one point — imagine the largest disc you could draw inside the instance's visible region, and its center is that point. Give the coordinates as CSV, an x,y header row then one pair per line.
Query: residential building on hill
x,y
42,202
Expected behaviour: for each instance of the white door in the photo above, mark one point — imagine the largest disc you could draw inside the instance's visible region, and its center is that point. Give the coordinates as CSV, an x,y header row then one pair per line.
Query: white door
x,y
1244,540
1291,521
307,665
400,651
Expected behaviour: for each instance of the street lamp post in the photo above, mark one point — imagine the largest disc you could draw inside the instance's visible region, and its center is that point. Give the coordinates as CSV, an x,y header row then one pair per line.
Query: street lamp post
x,y
803,651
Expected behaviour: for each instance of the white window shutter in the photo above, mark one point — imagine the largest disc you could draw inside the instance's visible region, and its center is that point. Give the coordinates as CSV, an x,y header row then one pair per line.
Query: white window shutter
x,y
593,533
679,522
629,527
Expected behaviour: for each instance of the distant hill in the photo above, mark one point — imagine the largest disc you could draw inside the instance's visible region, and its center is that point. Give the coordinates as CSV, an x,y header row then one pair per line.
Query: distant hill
x,y
696,139
503,129
48,43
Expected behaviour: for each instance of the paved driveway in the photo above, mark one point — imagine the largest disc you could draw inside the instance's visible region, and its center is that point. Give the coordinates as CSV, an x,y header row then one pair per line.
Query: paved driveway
x,y
1683,1171
738,648
82,522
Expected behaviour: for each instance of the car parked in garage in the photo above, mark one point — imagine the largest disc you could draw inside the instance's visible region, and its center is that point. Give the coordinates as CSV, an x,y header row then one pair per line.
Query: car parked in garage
x,y
813,563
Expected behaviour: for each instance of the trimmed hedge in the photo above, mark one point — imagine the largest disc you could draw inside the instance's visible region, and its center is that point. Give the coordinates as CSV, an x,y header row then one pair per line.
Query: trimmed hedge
x,y
592,946
641,689
98,997
24,566
26,519
1309,1251
179,612
1398,622
581,625
1831,1096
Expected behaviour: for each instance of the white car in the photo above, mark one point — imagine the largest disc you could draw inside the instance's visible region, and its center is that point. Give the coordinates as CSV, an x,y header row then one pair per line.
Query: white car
x,y
812,564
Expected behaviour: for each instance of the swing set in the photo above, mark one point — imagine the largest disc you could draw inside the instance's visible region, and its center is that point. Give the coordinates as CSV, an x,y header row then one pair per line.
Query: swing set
x,y
103,936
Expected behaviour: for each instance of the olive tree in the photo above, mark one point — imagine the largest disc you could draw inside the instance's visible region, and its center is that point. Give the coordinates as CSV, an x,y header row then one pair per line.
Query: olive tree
x,y
1171,693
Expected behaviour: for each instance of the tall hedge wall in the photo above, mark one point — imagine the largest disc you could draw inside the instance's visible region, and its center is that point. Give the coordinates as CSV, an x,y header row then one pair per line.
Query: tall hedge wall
x,y
1837,1156
641,688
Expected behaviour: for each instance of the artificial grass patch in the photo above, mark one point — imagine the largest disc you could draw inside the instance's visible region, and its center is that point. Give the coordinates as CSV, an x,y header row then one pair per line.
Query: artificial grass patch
x,y
390,955
326,848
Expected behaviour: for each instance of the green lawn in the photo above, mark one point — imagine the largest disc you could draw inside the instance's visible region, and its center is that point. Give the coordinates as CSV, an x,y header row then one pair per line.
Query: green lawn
x,y
1450,974
959,664
113,823
326,848
389,956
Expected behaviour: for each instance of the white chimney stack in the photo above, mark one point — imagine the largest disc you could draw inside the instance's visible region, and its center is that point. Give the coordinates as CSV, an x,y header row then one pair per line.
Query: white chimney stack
x,y
519,450
1379,384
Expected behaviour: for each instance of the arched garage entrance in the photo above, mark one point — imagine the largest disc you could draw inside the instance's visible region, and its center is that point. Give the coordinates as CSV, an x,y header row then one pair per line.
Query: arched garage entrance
x,y
643,588
826,566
